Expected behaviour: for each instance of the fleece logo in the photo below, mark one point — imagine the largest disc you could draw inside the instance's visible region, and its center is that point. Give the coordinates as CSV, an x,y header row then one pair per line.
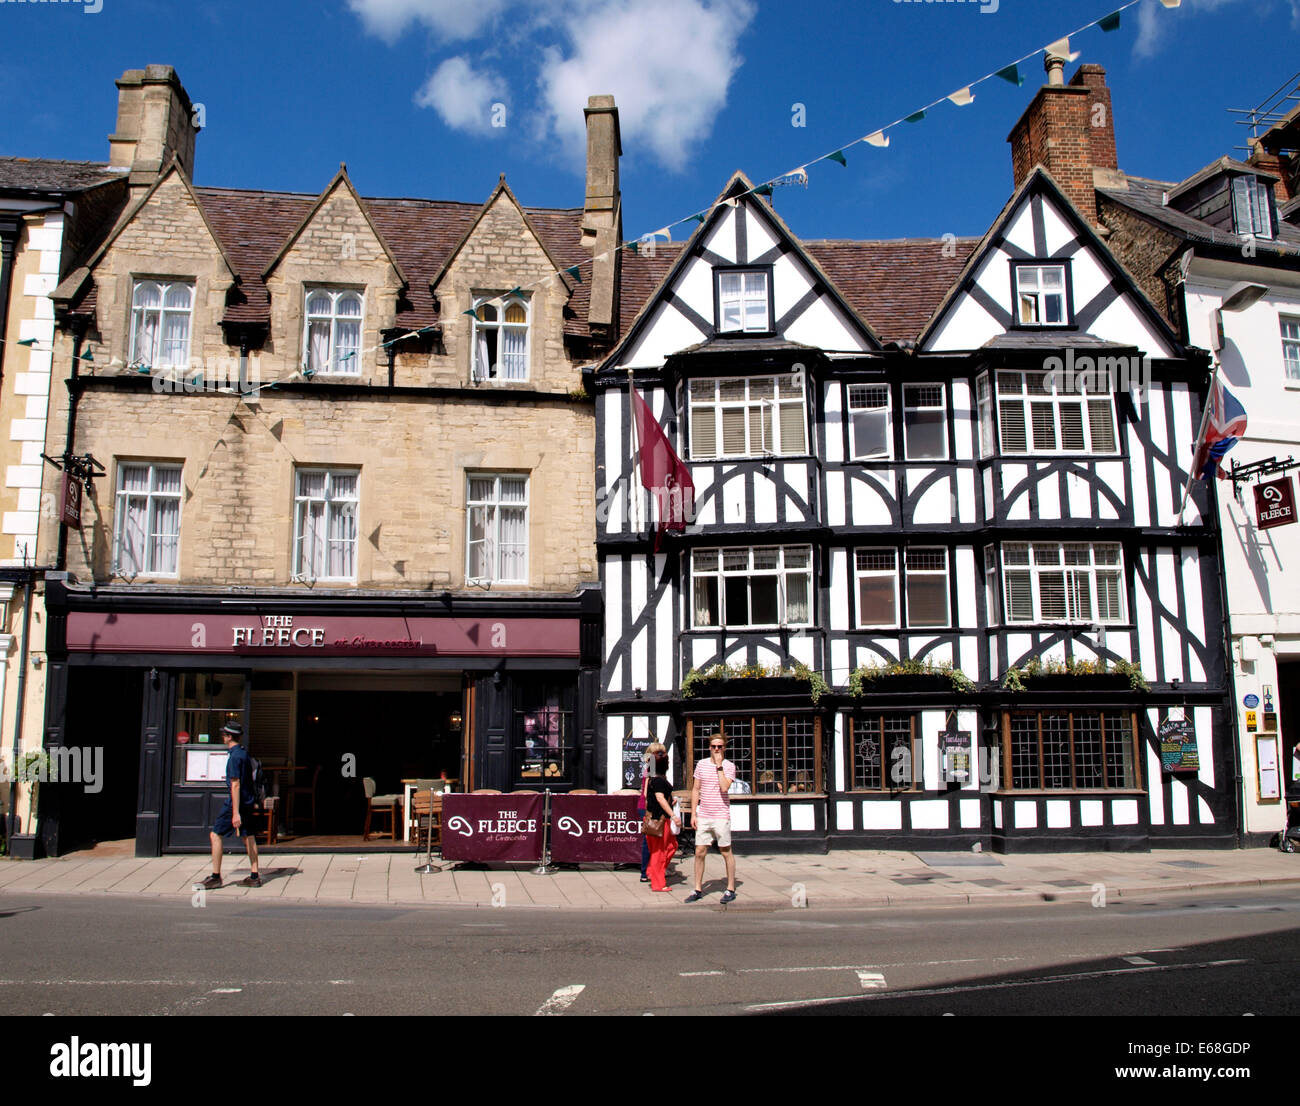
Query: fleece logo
x,y
570,826
461,826
100,1061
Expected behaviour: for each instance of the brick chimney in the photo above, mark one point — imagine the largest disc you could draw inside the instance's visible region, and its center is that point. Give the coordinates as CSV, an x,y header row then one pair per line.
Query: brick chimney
x,y
1068,129
602,213
155,120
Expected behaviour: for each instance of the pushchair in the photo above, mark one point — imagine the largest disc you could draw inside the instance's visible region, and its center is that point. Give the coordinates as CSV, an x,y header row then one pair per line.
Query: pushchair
x,y
1289,838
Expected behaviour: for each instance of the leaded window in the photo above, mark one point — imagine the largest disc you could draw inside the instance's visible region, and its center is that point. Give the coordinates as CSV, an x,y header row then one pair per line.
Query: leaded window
x,y
1074,750
774,754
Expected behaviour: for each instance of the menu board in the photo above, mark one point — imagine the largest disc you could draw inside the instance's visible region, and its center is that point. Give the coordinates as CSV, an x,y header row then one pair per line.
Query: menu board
x,y
205,765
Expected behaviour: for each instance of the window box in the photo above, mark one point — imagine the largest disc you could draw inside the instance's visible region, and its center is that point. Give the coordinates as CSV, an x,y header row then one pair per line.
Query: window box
x,y
909,676
754,681
1075,675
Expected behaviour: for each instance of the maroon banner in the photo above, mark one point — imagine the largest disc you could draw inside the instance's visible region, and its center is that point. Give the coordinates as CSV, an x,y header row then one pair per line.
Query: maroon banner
x,y
305,635
492,827
1274,503
592,828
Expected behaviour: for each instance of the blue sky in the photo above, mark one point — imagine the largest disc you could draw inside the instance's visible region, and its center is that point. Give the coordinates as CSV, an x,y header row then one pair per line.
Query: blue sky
x,y
403,91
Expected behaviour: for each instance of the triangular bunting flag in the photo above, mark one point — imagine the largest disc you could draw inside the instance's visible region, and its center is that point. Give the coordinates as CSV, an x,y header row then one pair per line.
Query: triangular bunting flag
x,y
1171,3
1061,49
837,156
633,247
697,217
27,341
763,190
88,356
1109,22
878,138
572,270
1011,73
473,314
915,117
962,97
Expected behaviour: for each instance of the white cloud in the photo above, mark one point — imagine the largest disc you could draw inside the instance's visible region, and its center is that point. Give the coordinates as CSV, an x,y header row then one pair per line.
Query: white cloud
x,y
1155,22
450,20
462,95
668,65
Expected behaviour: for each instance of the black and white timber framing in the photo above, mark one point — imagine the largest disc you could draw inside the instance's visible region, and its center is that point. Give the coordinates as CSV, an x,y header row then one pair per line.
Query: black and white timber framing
x,y
971,502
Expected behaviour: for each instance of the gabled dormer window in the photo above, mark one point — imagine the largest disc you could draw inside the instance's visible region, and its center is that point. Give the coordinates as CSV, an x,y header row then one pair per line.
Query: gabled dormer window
x,y
1042,295
332,337
744,301
1252,206
160,323
500,338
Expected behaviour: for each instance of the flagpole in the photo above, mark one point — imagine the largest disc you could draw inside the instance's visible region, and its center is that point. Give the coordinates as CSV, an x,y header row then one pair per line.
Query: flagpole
x,y
1200,435
633,516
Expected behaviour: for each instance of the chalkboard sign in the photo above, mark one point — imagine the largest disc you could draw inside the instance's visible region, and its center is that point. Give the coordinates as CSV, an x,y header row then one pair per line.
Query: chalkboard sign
x,y
1178,745
955,747
634,747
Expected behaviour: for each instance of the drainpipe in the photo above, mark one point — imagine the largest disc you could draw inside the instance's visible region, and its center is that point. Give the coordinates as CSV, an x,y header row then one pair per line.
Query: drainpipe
x,y
70,438
18,715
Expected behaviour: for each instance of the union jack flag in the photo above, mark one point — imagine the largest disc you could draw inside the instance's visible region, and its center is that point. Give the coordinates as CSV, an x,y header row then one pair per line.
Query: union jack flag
x,y
1223,426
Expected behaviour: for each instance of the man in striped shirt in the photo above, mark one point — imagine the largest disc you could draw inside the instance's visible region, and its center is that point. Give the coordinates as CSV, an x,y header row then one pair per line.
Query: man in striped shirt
x,y
712,806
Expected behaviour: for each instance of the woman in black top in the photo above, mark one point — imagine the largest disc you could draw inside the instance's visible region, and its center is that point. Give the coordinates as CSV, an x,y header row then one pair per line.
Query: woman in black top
x,y
659,801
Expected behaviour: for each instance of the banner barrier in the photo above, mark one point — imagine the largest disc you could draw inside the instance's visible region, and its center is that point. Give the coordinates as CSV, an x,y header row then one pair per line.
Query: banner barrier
x,y
595,829
492,827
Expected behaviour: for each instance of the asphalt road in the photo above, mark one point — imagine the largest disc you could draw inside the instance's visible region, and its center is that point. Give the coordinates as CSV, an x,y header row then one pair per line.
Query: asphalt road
x,y
1222,954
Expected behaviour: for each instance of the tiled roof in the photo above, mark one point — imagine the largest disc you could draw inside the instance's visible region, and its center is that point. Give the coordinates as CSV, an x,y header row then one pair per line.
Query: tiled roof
x,y
27,174
894,285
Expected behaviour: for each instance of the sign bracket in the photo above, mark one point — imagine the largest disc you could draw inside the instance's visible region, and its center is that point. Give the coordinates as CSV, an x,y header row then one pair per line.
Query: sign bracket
x,y
1244,474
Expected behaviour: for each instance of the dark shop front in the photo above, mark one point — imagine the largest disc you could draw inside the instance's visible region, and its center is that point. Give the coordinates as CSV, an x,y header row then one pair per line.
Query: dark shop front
x,y
340,698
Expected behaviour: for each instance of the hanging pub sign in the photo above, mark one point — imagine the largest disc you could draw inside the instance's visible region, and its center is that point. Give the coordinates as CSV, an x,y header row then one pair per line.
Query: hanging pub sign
x,y
70,500
1178,745
1274,503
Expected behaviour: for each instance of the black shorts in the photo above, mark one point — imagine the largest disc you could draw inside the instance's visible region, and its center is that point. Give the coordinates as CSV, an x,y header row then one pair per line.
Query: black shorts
x,y
224,827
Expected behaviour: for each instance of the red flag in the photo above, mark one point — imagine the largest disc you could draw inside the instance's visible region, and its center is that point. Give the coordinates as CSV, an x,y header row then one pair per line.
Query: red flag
x,y
663,473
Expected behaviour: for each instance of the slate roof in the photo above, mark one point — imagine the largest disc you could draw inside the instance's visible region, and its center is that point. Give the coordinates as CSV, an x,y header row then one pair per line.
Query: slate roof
x,y
27,174
1146,198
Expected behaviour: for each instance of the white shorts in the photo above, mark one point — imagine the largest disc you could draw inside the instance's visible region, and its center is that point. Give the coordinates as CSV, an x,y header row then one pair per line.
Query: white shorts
x,y
713,831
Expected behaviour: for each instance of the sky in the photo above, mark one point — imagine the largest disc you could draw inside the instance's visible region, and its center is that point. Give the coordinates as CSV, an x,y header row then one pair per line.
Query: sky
x,y
435,98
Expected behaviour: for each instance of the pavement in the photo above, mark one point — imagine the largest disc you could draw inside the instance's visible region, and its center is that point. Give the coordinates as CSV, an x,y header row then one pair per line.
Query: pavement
x,y
843,878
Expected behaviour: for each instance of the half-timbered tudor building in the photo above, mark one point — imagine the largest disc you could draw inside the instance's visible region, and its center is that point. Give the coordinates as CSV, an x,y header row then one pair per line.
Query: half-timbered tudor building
x,y
938,558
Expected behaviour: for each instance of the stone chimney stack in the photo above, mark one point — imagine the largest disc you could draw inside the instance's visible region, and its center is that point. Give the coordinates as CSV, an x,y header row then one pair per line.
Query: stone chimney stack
x,y
155,120
1068,129
602,214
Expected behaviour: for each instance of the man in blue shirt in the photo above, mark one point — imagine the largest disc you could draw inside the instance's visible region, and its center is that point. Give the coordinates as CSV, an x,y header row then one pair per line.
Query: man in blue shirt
x,y
236,815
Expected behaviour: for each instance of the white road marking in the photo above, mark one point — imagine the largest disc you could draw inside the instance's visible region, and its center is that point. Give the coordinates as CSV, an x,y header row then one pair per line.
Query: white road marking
x,y
560,1001
162,982
1141,961
689,975
226,991
857,967
872,981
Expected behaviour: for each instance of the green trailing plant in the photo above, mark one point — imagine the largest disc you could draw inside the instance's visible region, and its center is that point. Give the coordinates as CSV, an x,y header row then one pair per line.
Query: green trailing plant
x,y
862,678
817,685
34,768
1014,678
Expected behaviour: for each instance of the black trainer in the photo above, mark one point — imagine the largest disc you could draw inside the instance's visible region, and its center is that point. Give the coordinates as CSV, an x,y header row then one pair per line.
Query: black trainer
x,y
694,896
251,881
211,883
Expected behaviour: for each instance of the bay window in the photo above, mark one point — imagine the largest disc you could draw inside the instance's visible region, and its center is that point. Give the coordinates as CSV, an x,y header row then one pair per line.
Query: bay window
x,y
750,588
925,587
756,416
869,422
925,422
1063,582
1035,416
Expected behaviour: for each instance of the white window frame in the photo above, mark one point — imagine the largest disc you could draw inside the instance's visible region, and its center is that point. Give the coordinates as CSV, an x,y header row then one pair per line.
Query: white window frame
x,y
334,503
1290,328
987,430
1252,208
337,362
492,539
743,298
1034,294
158,357
992,608
760,396
511,372
1033,561
1032,398
941,407
863,569
154,539
721,571
909,572
863,399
